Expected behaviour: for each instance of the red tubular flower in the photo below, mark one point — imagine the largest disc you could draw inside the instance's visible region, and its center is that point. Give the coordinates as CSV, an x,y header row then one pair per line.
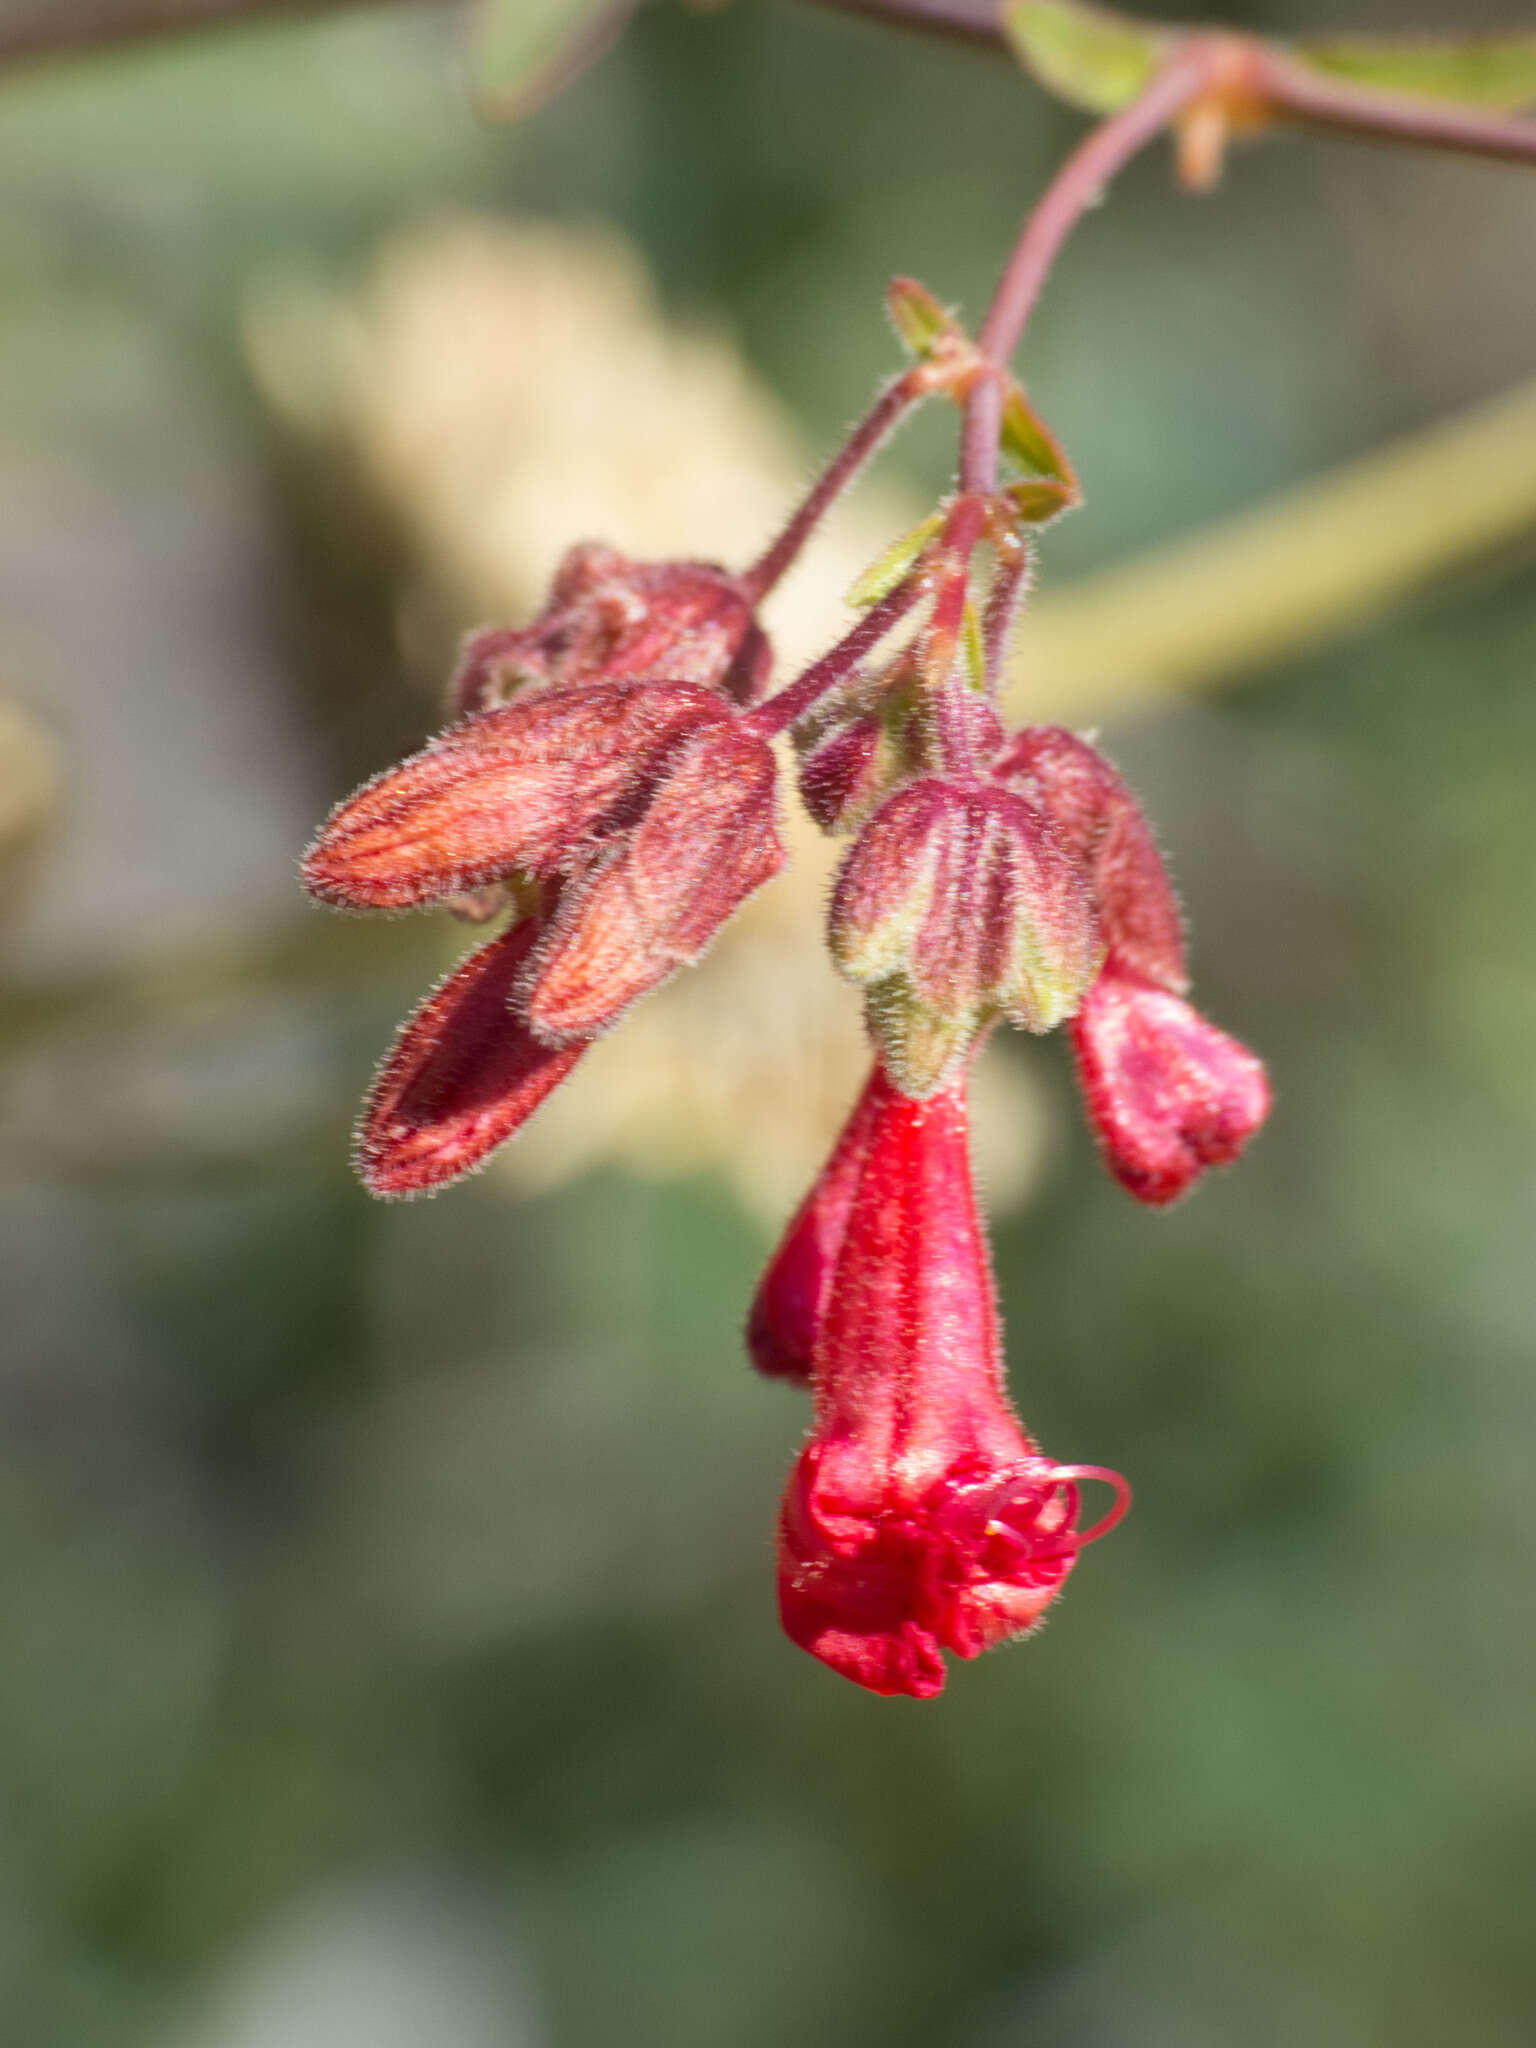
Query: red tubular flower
x,y
792,1295
1167,1093
919,1517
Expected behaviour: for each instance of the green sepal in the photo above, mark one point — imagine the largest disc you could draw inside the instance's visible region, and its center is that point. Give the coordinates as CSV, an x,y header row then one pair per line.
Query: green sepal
x,y
1040,499
1028,443
922,325
973,648
1089,56
895,565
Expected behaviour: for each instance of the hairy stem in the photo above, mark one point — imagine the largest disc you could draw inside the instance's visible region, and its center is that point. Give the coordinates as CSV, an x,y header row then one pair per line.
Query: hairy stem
x,y
781,711
1075,188
899,398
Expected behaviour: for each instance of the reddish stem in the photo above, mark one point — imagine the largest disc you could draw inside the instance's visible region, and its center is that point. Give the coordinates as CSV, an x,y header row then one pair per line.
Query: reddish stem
x,y
898,398
780,712
1075,188
1010,582
1378,115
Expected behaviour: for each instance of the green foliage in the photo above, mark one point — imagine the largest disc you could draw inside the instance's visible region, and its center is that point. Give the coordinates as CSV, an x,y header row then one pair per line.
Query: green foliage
x,y
1091,57
522,51
1493,71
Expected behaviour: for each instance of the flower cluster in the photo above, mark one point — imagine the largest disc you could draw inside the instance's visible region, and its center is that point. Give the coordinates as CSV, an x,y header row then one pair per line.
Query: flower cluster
x,y
608,786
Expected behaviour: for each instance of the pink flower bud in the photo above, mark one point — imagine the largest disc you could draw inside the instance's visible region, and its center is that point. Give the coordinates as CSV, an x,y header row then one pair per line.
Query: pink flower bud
x,y
463,1074
1168,1094
610,619
841,776
958,905
1106,828
920,1517
703,843
792,1295
521,790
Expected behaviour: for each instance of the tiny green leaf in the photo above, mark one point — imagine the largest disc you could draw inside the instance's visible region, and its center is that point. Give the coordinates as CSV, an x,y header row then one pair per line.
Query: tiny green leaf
x,y
898,561
1028,443
522,52
1483,71
1089,56
921,323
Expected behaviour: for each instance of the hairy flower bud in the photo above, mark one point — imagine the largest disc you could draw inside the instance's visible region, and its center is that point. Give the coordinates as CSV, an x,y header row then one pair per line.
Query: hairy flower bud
x,y
1167,1093
704,842
521,790
955,906
1096,814
920,1517
610,619
631,819
463,1074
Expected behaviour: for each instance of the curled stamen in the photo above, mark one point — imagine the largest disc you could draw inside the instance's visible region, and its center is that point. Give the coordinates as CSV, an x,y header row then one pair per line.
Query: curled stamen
x,y
1067,1475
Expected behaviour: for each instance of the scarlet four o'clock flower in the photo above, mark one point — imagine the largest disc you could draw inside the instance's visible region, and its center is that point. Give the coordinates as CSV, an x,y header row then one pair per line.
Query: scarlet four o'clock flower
x,y
609,785
920,1517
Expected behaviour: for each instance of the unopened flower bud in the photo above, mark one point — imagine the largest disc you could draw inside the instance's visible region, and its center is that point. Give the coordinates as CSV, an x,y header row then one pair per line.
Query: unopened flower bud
x,y
610,619
958,905
1168,1094
703,842
1095,812
463,1074
520,790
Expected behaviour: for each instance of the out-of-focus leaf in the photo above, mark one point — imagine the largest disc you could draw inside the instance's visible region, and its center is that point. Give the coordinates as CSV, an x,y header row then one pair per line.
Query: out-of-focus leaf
x,y
1028,443
1483,71
525,51
921,323
1089,56
1040,499
887,570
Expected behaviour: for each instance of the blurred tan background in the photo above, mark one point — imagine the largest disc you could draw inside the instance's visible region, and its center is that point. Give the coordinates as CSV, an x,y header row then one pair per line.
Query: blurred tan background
x,y
387,1648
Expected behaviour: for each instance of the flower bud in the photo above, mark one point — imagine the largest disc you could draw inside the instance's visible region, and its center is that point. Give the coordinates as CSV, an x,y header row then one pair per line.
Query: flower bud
x,y
520,790
1102,822
612,620
1168,1094
920,1517
958,905
704,841
463,1074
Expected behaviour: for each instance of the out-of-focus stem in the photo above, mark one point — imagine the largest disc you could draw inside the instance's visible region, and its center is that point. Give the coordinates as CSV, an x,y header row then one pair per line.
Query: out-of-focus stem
x,y
1377,115
43,28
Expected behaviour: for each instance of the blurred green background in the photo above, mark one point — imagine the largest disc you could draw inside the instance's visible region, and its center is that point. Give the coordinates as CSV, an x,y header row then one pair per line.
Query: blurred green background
x,y
387,1646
